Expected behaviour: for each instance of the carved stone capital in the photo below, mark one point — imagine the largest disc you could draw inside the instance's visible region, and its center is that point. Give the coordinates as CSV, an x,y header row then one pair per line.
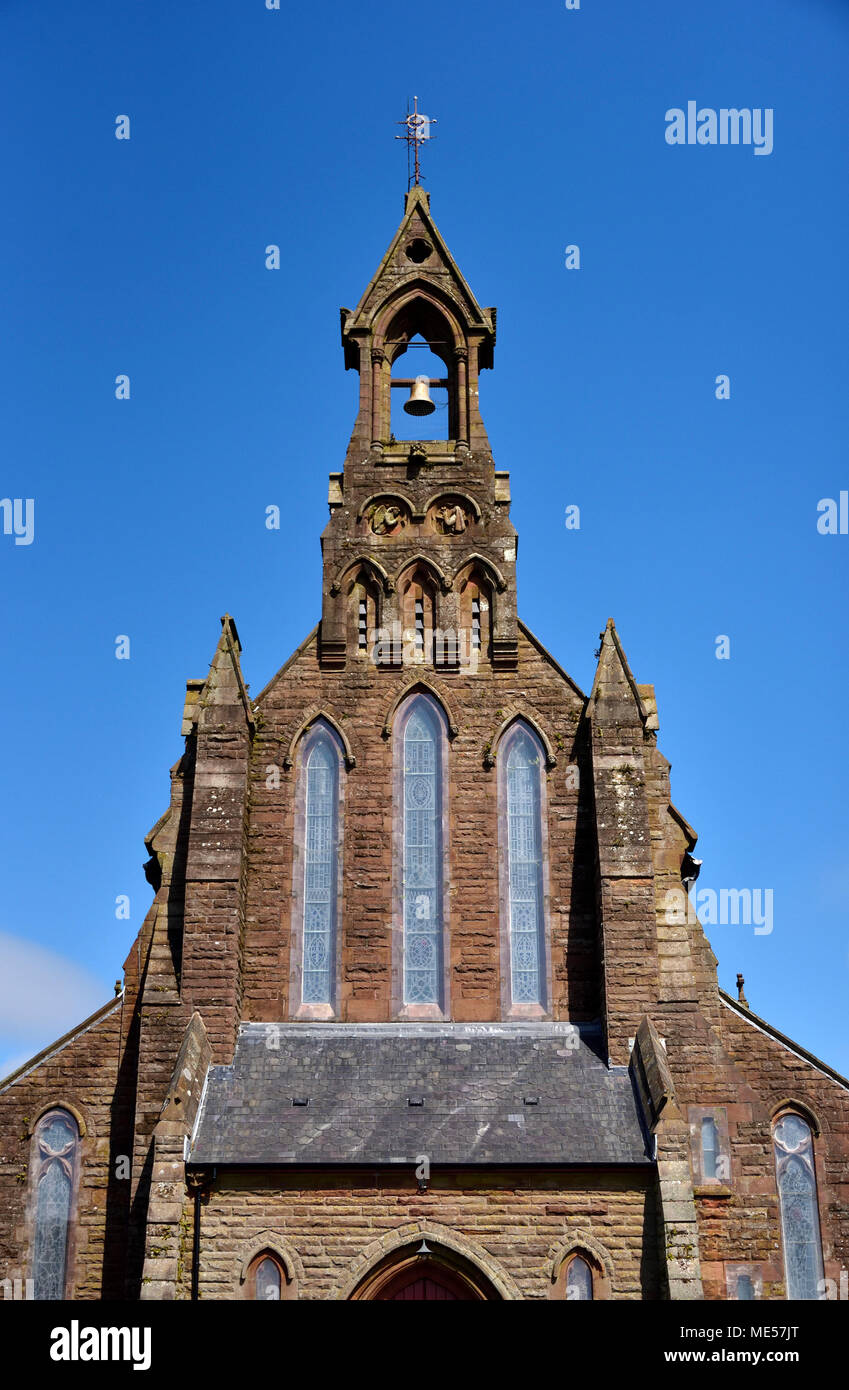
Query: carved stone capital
x,y
378,355
335,589
461,354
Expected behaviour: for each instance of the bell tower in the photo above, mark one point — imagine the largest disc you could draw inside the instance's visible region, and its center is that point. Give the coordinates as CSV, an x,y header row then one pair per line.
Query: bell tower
x,y
419,553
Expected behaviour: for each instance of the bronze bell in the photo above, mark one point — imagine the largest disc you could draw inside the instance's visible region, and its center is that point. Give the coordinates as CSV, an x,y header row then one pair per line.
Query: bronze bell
x,y
420,402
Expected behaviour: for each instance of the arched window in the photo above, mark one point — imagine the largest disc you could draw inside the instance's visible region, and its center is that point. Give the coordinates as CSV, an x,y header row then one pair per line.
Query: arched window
x,y
363,616
418,616
797,1194
421,732
55,1158
317,888
579,1279
414,360
581,1274
521,760
267,1278
475,619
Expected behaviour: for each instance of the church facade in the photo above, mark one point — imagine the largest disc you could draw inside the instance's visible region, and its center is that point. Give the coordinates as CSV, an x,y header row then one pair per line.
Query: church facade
x,y
419,1009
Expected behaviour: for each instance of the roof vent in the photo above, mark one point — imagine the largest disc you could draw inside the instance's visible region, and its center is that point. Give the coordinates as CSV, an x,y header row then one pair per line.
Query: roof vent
x,y
300,1100
532,1100
415,1100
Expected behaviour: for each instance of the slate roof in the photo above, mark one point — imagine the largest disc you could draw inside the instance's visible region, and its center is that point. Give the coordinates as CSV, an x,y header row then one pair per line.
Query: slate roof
x,y
476,1084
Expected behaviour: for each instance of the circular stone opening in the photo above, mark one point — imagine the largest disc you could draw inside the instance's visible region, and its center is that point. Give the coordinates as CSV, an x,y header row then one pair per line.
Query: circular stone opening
x,y
418,250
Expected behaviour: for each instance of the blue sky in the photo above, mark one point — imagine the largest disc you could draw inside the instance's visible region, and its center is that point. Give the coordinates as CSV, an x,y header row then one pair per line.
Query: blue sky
x,y
698,516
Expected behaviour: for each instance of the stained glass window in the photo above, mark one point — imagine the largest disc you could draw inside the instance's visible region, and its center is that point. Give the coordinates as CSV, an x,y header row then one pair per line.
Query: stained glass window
x,y
745,1287
422,889
579,1279
321,770
709,1148
268,1280
56,1143
797,1191
524,845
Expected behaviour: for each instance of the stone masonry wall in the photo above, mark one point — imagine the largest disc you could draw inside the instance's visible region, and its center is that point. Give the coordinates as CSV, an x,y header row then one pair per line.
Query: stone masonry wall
x,y
360,700
514,1225
80,1076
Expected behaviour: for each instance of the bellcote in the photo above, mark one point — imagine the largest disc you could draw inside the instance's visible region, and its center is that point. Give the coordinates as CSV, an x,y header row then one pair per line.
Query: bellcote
x,y
419,541
418,292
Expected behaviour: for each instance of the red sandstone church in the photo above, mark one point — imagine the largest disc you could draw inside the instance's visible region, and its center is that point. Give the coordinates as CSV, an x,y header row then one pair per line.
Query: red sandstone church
x,y
410,1016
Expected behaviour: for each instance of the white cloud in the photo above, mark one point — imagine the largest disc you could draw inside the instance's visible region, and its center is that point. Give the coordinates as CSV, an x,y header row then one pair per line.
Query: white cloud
x,y
42,995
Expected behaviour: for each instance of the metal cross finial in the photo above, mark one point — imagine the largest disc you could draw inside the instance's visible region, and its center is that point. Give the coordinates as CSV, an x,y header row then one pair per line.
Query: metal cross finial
x,y
417,129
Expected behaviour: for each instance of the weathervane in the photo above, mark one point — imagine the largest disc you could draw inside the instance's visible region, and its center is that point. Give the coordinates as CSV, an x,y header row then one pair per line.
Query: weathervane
x,y
417,130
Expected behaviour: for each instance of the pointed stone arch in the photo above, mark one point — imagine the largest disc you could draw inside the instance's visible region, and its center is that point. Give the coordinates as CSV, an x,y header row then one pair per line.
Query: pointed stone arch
x,y
793,1105
515,715
440,577
438,1238
577,1243
420,306
311,717
434,304
275,1244
489,568
593,1252
366,562
60,1103
414,686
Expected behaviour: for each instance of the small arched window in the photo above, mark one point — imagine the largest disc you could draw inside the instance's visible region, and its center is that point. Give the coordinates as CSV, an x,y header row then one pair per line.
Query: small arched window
x,y
418,610
579,1279
267,1279
56,1154
521,760
317,888
363,617
475,619
797,1195
421,732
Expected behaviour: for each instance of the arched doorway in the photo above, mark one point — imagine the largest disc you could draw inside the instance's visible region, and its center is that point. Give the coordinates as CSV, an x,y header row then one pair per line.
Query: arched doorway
x,y
438,1274
426,1281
